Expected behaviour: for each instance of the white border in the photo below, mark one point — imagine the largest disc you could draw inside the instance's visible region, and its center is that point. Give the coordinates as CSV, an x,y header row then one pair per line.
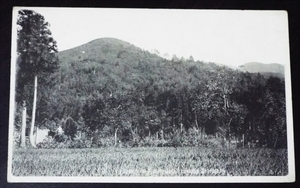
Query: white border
x,y
289,111
10,177
224,179
205,179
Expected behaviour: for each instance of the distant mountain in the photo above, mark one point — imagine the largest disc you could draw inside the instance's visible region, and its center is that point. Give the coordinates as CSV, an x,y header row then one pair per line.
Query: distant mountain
x,y
255,67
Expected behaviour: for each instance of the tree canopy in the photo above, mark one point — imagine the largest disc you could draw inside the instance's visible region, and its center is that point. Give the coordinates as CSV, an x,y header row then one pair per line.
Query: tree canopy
x,y
36,50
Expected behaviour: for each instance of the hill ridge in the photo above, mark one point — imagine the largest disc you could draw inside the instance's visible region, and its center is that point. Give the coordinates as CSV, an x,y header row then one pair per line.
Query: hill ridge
x,y
257,67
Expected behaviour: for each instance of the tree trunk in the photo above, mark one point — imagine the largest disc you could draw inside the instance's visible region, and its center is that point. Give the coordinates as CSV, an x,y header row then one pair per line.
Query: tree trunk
x,y
23,133
79,135
243,140
181,124
36,134
229,133
95,136
275,143
201,135
116,136
32,141
196,122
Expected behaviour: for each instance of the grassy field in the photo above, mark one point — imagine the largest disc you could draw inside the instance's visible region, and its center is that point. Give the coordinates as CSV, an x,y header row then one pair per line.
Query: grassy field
x,y
185,161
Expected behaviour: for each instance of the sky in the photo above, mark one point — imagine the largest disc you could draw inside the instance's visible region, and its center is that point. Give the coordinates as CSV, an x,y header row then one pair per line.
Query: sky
x,y
230,37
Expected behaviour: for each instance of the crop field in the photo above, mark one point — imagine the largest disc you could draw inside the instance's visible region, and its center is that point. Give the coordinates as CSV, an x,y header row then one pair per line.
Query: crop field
x,y
185,161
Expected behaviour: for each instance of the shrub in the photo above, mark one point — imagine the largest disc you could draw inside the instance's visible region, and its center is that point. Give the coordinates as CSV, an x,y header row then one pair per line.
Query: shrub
x,y
16,139
149,141
50,142
211,143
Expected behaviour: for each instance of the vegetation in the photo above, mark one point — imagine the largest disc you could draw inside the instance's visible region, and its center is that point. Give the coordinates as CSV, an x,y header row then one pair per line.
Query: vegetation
x,y
185,161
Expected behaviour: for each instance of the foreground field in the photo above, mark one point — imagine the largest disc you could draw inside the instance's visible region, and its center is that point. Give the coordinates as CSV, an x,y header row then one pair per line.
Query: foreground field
x,y
190,161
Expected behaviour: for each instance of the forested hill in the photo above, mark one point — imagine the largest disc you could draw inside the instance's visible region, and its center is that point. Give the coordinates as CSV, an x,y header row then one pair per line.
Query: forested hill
x,y
110,87
107,49
255,67
115,64
112,65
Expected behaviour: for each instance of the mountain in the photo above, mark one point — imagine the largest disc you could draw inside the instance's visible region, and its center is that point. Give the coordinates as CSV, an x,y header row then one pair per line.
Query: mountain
x,y
116,66
104,49
112,65
109,65
255,67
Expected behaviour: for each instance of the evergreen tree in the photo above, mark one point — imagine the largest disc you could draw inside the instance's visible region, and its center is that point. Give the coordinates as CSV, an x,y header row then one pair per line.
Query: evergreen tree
x,y
36,50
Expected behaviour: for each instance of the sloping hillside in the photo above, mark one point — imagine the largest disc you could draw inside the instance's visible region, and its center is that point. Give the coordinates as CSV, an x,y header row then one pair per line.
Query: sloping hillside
x,y
254,67
119,66
105,49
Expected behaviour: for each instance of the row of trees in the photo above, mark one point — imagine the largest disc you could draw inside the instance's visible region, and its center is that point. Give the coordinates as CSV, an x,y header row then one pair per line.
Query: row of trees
x,y
131,95
253,112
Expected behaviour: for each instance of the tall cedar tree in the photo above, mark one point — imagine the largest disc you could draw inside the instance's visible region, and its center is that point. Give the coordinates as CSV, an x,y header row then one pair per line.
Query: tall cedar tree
x,y
36,50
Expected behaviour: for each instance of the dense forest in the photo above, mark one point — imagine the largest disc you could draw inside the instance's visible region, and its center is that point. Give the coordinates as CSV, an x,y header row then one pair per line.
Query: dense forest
x,y
109,92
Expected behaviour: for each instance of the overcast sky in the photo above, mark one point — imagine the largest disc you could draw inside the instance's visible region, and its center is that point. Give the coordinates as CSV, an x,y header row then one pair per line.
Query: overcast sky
x,y
227,37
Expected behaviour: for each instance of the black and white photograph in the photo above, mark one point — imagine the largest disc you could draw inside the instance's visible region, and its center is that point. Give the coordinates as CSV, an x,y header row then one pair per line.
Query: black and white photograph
x,y
150,95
